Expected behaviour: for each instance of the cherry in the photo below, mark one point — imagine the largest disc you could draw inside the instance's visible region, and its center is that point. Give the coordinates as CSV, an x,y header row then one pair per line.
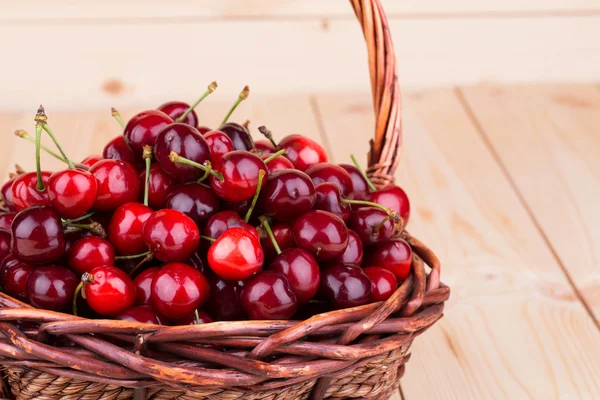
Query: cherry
x,y
89,161
6,220
360,186
144,314
329,198
301,271
171,236
125,228
240,171
14,278
383,283
288,194
224,301
143,285
24,191
282,232
117,149
4,244
72,192
198,260
395,255
394,198
37,235
203,130
372,225
89,252
176,109
279,163
6,192
51,287
118,183
143,128
203,318
265,147
239,135
302,151
325,172
108,290
268,296
354,253
195,200
236,254
160,185
178,289
224,220
345,286
219,144
321,233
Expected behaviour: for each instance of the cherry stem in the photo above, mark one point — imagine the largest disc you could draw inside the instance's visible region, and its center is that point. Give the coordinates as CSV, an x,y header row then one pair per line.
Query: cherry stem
x,y
274,156
138,265
243,96
197,317
42,119
264,221
377,228
38,167
24,135
70,221
95,227
133,256
86,278
116,115
211,88
176,158
364,175
208,166
147,155
267,133
212,240
261,176
367,203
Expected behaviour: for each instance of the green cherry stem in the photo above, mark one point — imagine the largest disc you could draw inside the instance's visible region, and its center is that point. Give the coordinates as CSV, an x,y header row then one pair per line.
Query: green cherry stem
x,y
265,223
42,119
357,165
243,96
116,115
95,227
38,165
24,135
367,203
176,158
133,256
377,228
267,133
70,221
261,176
147,155
211,88
197,317
148,257
208,166
208,238
274,156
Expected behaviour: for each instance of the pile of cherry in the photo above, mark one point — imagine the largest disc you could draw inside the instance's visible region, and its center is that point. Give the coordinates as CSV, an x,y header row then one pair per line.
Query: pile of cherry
x,y
179,224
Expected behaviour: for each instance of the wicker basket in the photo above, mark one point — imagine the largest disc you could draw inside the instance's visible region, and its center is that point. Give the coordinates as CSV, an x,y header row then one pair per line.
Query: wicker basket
x,y
351,353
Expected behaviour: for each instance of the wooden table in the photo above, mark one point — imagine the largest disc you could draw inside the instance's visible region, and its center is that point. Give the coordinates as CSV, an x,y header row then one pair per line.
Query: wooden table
x,y
505,186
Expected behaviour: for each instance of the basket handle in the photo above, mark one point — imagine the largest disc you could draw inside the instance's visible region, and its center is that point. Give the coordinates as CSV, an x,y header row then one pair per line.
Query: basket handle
x,y
384,153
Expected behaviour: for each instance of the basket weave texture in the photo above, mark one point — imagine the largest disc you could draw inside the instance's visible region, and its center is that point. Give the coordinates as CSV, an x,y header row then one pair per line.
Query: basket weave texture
x,y
355,353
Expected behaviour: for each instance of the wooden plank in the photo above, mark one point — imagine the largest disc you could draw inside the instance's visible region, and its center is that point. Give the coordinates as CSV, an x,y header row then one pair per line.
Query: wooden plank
x,y
549,141
514,327
88,66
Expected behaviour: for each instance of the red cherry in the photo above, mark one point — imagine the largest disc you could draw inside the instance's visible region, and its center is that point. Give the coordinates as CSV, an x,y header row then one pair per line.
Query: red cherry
x,y
383,283
203,129
302,151
345,286
265,147
367,223
394,198
171,236
224,220
143,285
219,145
89,161
240,171
178,289
301,271
4,244
37,235
6,220
279,163
51,287
24,191
6,192
283,236
14,278
268,296
224,301
236,255
89,252
118,183
108,290
360,187
117,149
287,194
143,128
195,200
321,233
203,318
72,192
144,314
160,185
125,228
354,253
175,109
329,198
325,172
395,255
239,135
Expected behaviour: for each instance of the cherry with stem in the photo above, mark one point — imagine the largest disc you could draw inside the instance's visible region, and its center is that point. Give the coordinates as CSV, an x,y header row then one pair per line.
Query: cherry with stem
x,y
117,116
176,158
211,88
24,135
243,96
362,172
261,176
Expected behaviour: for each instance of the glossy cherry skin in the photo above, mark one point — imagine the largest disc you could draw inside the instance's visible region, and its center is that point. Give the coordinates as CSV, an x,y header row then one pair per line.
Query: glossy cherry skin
x,y
288,194
6,192
383,283
302,272
89,252
329,198
203,318
143,285
283,235
224,302
117,149
25,194
264,147
240,171
178,289
125,228
360,187
236,255
6,220
4,244
110,291
37,235
268,296
345,286
118,183
186,141
279,163
171,235
195,200
395,255
302,151
394,198
239,135
160,185
51,287
203,129
144,314
72,192
175,109
224,220
143,128
219,144
364,221
325,172
354,253
14,278
321,233
89,161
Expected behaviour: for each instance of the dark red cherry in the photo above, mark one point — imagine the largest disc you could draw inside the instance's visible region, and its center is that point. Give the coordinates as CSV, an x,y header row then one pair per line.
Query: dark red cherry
x,y
301,271
24,191
37,235
117,149
171,236
240,171
89,161
224,301
186,141
72,192
329,198
394,198
4,244
90,252
321,233
219,144
125,228
265,147
224,220
143,285
383,283
118,183
160,185
283,235
279,163
143,128
354,253
108,290
268,296
144,314
6,220
52,287
203,129
360,187
345,286
195,200
236,255
14,278
325,172
203,318
6,192
175,109
395,255
239,135
178,289
302,151
287,194
199,261
367,223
